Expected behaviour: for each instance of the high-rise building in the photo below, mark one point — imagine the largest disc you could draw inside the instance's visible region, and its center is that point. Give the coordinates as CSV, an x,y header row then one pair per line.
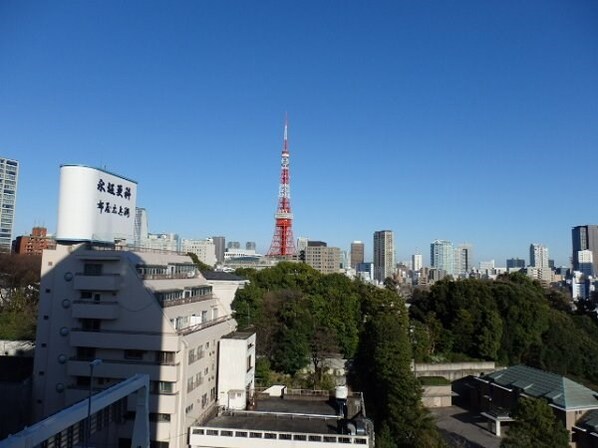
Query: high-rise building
x,y
357,253
442,257
417,262
9,177
515,263
538,256
250,245
140,229
384,254
585,238
220,246
463,262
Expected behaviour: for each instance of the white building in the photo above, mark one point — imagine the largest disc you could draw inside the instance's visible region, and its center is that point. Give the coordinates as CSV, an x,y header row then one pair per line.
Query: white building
x,y
236,373
585,262
538,256
417,262
140,312
168,242
204,249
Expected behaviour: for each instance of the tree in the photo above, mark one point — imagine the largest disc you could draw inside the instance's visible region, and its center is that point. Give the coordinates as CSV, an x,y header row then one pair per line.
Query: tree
x,y
198,263
383,371
535,426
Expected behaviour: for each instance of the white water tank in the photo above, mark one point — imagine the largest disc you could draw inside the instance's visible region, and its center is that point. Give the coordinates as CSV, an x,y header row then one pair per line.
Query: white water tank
x,y
341,392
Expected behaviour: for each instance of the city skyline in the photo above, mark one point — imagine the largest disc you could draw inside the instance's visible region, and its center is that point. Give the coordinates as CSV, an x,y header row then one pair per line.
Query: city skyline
x,y
395,96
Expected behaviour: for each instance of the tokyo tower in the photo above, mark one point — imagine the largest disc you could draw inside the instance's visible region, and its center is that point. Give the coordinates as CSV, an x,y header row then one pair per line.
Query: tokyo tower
x,y
282,242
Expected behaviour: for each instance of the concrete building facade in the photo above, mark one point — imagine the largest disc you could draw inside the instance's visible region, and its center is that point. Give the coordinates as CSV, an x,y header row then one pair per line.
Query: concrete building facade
x,y
139,312
326,260
204,249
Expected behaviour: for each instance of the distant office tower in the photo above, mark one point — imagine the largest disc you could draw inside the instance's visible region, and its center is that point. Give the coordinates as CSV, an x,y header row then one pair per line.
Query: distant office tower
x,y
585,238
325,259
233,245
463,261
384,254
417,262
250,245
365,271
140,229
204,249
357,253
35,243
9,177
515,263
538,256
219,245
585,262
441,256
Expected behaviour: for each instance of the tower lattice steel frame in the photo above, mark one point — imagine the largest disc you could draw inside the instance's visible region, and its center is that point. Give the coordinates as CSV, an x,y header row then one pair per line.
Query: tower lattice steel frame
x,y
283,244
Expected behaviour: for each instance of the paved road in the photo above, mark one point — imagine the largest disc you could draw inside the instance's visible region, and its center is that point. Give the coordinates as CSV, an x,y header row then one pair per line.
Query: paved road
x,y
462,429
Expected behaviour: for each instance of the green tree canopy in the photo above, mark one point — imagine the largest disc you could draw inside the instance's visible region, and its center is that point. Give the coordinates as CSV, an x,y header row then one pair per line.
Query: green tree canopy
x,y
535,426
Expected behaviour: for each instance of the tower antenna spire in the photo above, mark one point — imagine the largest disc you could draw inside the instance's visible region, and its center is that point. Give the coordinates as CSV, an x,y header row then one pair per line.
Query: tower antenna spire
x,y
283,244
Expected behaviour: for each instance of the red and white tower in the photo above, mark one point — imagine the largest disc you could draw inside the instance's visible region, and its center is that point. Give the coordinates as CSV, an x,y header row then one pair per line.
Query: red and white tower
x,y
282,243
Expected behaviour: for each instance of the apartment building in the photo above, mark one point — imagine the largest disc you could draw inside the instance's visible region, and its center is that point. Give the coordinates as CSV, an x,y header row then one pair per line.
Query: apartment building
x,y
137,312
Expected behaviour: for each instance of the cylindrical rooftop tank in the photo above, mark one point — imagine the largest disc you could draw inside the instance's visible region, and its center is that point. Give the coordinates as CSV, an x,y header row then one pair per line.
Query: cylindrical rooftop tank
x,y
341,392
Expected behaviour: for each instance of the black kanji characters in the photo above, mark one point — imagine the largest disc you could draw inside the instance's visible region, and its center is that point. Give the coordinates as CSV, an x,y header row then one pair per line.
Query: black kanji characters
x,y
101,206
128,193
101,185
119,190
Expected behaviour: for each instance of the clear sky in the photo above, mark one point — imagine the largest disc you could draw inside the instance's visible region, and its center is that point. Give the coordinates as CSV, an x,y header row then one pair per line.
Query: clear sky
x,y
471,121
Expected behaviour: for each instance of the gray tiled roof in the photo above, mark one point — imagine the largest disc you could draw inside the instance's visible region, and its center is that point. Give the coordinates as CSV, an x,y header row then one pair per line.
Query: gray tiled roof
x,y
557,389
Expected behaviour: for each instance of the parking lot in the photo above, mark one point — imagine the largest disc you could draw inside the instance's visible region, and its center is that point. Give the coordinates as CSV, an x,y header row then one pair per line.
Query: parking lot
x,y
463,429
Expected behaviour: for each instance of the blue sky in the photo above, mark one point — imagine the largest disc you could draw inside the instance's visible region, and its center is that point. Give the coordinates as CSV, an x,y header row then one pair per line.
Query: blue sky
x,y
468,121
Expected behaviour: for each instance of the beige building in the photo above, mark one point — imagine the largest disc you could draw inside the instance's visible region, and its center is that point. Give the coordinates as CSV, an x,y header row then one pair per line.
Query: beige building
x,y
137,312
325,259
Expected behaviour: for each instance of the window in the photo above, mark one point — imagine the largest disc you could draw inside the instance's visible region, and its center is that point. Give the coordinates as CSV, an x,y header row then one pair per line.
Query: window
x,y
204,400
90,324
165,357
136,355
92,269
161,387
85,353
192,357
249,364
86,294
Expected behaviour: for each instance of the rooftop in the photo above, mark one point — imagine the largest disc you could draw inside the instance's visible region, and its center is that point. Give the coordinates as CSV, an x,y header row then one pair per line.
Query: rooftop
x,y
558,390
239,335
221,276
301,411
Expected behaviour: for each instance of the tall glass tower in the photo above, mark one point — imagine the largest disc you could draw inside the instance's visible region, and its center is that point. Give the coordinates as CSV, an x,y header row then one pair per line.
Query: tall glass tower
x,y
9,175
